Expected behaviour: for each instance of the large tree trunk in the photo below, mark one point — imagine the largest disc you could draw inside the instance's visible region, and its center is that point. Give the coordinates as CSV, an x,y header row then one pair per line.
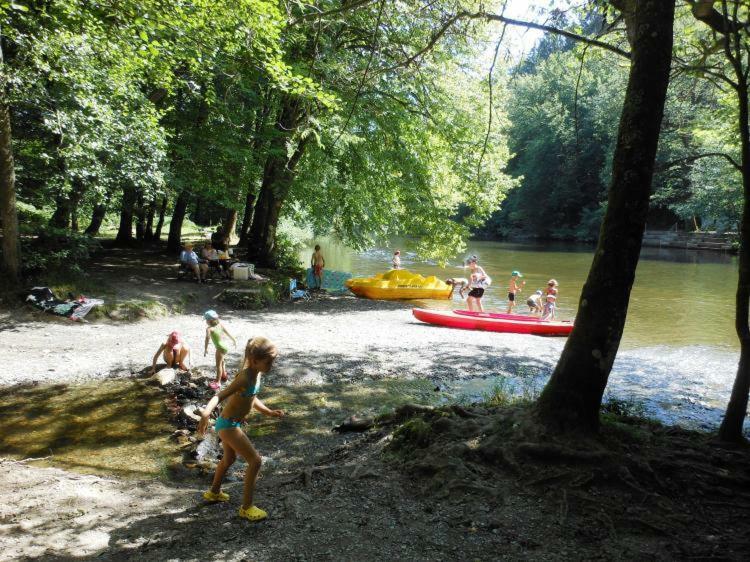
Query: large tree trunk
x,y
160,224
572,397
230,225
175,227
734,419
278,175
97,218
11,264
63,207
125,231
247,217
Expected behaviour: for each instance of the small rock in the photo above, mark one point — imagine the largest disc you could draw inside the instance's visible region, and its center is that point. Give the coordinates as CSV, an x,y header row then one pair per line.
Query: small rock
x,y
164,377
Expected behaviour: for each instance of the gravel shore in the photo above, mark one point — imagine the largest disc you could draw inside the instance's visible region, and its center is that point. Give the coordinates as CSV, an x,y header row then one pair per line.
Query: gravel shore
x,y
332,339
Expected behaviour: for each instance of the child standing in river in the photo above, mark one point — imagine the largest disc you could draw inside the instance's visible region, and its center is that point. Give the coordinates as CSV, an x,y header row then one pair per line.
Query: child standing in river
x,y
214,331
513,289
242,395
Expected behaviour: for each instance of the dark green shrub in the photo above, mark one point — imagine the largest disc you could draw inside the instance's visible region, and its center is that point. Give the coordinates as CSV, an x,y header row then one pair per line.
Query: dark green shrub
x,y
55,250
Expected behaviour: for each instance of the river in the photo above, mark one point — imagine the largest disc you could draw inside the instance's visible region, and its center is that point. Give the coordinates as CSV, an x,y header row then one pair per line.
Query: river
x,y
679,352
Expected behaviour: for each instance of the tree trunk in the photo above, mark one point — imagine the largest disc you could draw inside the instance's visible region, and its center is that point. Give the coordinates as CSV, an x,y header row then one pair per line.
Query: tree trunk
x,y
125,232
97,217
11,264
230,225
247,217
140,218
61,217
160,224
734,418
175,227
151,212
572,397
278,175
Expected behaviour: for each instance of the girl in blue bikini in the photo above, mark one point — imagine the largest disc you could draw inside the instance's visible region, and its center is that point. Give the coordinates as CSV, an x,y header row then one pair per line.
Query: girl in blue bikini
x,y
243,397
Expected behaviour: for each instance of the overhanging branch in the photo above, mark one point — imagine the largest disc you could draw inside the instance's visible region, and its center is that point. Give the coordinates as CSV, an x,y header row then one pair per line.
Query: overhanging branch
x,y
695,157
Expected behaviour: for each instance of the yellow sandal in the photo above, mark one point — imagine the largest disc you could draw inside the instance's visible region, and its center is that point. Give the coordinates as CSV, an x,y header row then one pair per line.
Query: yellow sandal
x,y
211,497
253,513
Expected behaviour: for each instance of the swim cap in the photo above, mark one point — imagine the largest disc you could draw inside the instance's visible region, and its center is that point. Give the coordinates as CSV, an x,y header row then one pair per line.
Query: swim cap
x,y
211,315
174,339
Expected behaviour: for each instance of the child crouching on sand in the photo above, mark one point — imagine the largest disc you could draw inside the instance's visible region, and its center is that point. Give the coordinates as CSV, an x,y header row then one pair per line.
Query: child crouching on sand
x,y
243,397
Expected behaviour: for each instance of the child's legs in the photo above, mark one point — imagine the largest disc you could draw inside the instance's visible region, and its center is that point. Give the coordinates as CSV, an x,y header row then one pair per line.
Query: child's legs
x,y
169,357
471,301
238,441
182,356
479,305
227,460
219,364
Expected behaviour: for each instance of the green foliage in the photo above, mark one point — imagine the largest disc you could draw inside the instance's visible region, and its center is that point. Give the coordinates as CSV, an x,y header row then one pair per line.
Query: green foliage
x,y
57,250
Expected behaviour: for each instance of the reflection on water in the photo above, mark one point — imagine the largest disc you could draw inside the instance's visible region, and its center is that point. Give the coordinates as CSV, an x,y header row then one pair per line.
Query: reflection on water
x,y
680,297
113,426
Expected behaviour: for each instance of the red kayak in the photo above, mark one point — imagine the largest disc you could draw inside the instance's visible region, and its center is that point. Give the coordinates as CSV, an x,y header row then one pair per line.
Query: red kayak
x,y
490,322
499,315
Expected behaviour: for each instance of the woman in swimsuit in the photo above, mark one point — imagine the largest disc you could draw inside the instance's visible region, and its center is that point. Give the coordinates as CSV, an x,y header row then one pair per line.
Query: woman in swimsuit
x,y
214,332
243,397
479,282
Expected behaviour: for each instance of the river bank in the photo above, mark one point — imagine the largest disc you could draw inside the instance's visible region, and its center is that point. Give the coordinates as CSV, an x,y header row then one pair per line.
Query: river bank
x,y
344,339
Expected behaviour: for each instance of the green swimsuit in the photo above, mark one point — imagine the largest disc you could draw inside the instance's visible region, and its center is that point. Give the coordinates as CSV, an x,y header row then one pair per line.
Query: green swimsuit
x,y
216,332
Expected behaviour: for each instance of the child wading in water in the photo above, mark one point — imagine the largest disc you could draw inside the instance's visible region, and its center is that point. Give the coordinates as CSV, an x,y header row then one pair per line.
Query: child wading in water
x,y
214,332
513,289
242,394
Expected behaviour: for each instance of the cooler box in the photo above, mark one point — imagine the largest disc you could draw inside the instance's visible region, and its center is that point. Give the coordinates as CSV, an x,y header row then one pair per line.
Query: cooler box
x,y
242,271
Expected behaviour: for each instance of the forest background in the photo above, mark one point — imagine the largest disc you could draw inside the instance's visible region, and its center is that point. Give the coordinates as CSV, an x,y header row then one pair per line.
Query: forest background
x,y
363,120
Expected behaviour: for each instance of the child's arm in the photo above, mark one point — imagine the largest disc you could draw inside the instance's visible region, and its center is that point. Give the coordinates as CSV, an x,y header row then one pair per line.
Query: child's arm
x,y
265,410
156,356
231,337
205,343
235,386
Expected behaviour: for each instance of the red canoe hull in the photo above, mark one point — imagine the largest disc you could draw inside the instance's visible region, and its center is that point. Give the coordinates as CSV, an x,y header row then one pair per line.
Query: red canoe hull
x,y
489,322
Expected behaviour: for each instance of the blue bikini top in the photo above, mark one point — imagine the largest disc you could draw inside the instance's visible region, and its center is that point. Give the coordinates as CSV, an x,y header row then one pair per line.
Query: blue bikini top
x,y
252,391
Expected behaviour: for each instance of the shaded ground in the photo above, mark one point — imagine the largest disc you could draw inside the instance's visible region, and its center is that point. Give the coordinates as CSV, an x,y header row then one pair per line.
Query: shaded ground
x,y
463,487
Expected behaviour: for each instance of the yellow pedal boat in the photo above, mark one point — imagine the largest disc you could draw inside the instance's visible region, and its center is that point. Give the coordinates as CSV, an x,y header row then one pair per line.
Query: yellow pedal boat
x,y
399,284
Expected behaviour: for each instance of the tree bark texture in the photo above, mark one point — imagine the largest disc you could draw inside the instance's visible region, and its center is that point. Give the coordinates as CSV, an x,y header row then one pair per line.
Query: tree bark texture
x,y
160,223
125,231
230,225
97,218
175,227
278,175
11,264
247,217
572,398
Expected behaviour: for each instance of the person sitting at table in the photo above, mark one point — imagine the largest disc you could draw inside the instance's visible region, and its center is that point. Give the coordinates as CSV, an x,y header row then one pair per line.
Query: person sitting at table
x,y
189,260
211,255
